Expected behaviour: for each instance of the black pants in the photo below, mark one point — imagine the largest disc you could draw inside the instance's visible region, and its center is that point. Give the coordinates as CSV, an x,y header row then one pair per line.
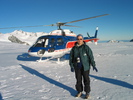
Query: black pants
x,y
80,75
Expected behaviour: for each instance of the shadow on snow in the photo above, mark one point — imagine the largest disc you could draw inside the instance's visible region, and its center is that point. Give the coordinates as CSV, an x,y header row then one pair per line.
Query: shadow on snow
x,y
50,80
113,81
1,97
26,57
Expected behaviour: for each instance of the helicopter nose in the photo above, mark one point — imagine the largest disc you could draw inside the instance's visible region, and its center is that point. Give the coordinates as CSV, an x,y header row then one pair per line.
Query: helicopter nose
x,y
41,52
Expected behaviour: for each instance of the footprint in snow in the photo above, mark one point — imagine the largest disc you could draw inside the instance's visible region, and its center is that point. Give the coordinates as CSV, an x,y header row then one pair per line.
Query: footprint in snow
x,y
17,78
128,75
45,98
44,90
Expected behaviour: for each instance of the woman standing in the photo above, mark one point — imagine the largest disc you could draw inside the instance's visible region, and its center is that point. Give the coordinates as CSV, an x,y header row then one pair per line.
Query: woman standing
x,y
81,57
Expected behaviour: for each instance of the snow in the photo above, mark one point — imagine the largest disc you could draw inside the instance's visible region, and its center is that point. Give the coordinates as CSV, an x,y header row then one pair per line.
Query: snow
x,y
22,78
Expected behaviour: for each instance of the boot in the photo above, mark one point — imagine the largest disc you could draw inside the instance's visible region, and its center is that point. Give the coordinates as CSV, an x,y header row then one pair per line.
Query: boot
x,y
87,96
79,94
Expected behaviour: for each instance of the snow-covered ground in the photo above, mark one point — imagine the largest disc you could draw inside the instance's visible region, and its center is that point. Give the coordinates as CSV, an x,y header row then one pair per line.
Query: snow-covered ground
x,y
22,78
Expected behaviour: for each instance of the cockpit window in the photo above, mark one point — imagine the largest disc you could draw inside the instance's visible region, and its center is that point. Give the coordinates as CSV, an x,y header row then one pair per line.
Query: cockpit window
x,y
41,42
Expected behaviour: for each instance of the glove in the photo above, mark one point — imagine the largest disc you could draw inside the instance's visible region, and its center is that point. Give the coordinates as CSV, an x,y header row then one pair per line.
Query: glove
x,y
94,68
72,69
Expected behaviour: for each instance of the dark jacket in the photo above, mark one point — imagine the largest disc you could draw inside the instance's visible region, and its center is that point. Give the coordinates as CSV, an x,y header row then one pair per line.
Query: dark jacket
x,y
85,54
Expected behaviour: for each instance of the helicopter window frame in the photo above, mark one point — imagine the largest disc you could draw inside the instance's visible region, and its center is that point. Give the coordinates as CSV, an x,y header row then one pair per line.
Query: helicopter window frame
x,y
46,43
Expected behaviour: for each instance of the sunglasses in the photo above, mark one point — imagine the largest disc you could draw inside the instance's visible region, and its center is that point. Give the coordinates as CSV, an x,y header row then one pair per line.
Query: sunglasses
x,y
79,39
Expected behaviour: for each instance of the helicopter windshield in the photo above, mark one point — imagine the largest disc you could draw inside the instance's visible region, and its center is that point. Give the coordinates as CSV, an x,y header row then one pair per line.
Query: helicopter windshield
x,y
41,43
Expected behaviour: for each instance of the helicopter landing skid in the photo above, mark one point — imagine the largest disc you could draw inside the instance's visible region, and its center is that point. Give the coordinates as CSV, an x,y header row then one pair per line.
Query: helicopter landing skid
x,y
40,60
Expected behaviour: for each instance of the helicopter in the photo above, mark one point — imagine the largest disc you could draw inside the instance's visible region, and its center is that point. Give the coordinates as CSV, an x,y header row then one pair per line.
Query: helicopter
x,y
57,42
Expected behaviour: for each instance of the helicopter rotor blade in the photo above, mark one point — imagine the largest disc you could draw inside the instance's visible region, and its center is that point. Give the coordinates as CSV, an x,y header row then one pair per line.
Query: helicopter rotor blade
x,y
71,26
22,27
51,25
86,18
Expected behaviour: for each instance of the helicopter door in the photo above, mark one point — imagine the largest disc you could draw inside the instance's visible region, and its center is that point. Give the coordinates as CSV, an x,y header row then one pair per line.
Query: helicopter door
x,y
52,42
51,45
60,43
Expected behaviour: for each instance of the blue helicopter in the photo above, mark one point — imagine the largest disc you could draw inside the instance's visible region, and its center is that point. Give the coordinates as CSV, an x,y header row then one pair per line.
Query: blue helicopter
x,y
55,44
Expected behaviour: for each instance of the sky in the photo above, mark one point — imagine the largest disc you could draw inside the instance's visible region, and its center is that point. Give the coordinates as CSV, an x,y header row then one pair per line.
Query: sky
x,y
116,26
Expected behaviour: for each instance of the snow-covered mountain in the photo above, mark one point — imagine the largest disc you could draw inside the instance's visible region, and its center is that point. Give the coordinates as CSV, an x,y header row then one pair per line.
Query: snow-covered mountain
x,y
22,37
131,40
114,41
